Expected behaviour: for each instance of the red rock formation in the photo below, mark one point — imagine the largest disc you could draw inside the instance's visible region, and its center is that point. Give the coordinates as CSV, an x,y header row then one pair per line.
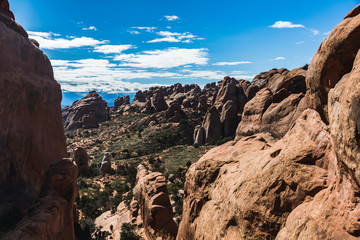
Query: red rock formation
x,y
302,186
82,161
152,197
88,112
333,60
32,142
275,107
248,188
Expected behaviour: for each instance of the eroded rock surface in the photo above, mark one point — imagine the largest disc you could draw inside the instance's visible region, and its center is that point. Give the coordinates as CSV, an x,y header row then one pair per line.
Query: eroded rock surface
x,y
88,112
37,187
333,60
152,200
82,161
248,188
302,184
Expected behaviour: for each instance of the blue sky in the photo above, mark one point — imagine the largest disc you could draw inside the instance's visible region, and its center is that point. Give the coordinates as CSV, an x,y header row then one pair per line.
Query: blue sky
x,y
118,47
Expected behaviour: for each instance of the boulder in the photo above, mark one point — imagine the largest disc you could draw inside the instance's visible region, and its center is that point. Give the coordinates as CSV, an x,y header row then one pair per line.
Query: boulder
x,y
152,197
106,164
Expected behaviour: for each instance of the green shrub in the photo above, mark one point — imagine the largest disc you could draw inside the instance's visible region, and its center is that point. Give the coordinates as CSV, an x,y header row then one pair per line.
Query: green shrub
x,y
128,232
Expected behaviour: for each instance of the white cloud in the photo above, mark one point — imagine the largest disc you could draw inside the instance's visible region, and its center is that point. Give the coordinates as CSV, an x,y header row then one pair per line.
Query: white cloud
x,y
214,75
107,49
286,24
300,42
90,28
147,29
49,41
314,31
174,37
278,58
134,32
88,74
327,33
168,58
171,18
231,63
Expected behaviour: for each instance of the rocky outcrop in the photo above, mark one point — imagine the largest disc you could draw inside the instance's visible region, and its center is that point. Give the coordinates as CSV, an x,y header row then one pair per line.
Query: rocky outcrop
x,y
82,161
112,222
333,60
152,200
106,164
212,125
174,113
298,181
88,112
343,110
199,135
159,102
247,189
275,107
32,142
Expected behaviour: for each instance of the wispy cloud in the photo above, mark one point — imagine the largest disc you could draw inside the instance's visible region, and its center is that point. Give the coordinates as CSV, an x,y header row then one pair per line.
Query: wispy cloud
x,y
134,32
230,63
147,29
278,58
90,28
171,18
53,41
107,49
314,31
168,58
174,37
300,42
286,24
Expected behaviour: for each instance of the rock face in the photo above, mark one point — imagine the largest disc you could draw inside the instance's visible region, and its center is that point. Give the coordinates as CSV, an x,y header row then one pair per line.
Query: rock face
x,y
248,188
88,112
294,176
32,142
152,198
344,117
333,60
107,219
105,164
276,106
212,125
82,161
159,101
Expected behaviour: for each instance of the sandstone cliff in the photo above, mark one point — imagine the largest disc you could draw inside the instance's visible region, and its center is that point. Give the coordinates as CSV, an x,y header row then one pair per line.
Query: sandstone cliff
x,y
296,175
37,187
